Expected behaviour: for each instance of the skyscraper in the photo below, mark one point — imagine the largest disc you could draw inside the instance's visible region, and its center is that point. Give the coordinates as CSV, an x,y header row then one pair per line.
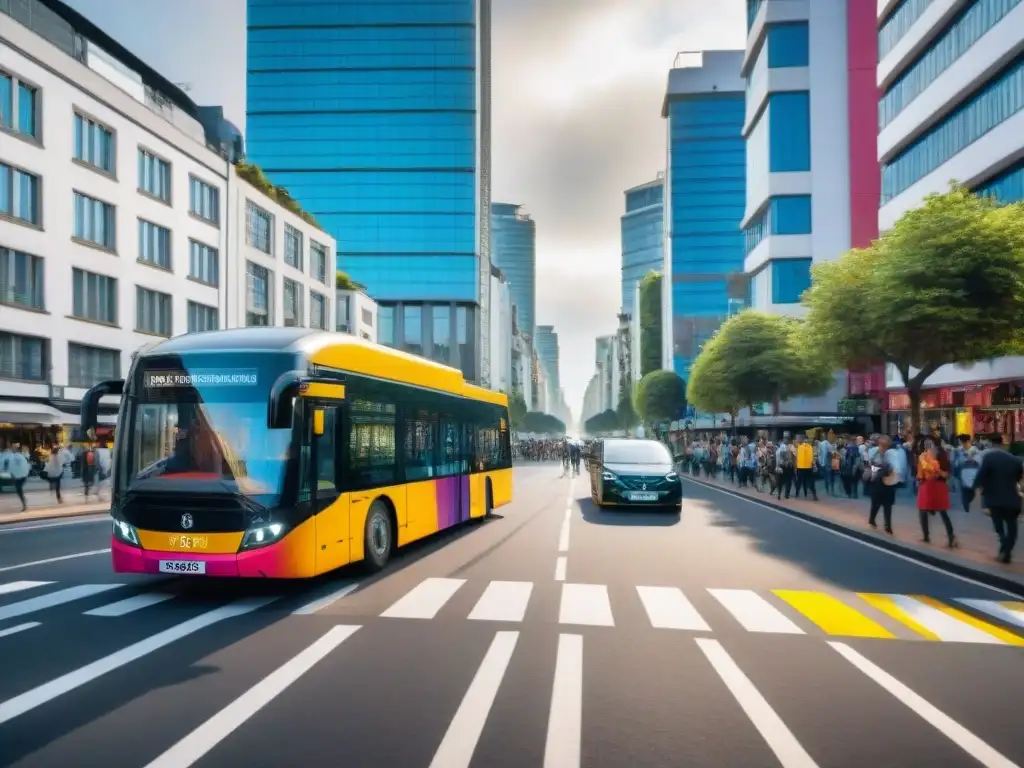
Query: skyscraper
x,y
376,116
514,251
705,190
643,240
546,344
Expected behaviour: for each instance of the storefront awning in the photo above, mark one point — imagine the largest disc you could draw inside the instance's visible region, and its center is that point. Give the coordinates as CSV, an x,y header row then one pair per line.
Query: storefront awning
x,y
24,413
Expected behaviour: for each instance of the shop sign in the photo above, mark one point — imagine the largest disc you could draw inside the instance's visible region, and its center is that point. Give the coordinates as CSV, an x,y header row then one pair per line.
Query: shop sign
x,y
856,407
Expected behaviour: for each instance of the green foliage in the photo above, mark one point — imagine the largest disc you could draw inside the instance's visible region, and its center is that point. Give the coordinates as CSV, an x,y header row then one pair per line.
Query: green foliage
x,y
516,409
606,421
660,396
541,423
650,323
945,285
253,174
756,358
345,283
625,412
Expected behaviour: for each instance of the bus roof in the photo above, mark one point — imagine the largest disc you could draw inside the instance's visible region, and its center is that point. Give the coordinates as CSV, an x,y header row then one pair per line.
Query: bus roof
x,y
332,350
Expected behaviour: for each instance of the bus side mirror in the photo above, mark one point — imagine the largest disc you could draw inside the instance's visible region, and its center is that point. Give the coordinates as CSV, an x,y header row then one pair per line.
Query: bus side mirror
x,y
280,405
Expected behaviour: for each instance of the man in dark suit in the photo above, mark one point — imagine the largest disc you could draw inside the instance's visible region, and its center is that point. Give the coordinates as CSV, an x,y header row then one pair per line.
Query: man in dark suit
x,y
998,481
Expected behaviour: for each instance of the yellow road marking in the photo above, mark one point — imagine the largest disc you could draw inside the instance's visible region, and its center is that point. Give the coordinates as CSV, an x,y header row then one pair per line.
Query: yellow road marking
x,y
886,605
833,615
990,629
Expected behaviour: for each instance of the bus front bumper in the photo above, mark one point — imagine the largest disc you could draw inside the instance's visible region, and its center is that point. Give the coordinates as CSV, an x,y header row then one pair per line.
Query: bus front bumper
x,y
266,562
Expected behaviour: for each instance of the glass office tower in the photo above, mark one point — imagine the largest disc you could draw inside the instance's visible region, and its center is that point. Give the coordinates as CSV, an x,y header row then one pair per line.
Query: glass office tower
x,y
375,115
643,241
514,251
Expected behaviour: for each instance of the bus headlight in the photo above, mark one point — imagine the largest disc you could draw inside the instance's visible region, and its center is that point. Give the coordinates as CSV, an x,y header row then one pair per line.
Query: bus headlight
x,y
126,532
255,538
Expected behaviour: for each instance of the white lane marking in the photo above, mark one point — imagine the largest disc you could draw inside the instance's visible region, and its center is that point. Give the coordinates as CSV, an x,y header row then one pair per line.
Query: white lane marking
x,y
848,537
568,514
19,586
425,599
463,734
586,604
565,719
669,608
561,564
90,520
947,628
60,597
942,722
130,604
49,560
211,733
996,609
19,628
563,537
779,738
503,601
754,613
329,599
51,690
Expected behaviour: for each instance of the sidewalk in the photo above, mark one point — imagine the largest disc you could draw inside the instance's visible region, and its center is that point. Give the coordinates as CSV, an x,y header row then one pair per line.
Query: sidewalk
x,y
974,532
42,506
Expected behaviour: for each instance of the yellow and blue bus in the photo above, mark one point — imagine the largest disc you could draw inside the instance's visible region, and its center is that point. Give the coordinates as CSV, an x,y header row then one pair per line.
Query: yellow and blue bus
x,y
287,453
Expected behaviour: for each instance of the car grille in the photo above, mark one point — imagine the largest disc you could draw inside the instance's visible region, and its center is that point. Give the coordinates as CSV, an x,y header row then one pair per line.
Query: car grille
x,y
653,483
210,514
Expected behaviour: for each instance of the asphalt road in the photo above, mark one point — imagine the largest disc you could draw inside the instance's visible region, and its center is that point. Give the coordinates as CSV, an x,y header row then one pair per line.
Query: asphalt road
x,y
554,635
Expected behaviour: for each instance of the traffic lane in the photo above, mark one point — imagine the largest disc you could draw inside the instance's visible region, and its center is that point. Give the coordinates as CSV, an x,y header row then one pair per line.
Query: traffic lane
x,y
722,541
28,542
128,716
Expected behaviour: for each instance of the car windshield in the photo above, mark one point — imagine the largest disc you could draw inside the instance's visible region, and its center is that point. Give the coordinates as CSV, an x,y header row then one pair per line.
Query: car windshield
x,y
636,452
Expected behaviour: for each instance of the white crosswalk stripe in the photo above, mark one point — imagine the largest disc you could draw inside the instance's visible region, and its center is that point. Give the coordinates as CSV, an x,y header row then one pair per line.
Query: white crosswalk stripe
x,y
25,607
996,609
754,613
130,604
586,604
503,601
19,586
425,599
668,608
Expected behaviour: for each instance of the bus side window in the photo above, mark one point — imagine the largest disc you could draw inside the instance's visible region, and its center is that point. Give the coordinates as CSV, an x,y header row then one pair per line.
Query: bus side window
x,y
420,442
326,451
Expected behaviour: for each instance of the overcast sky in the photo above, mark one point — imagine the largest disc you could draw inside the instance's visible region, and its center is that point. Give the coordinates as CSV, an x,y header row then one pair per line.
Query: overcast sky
x,y
577,91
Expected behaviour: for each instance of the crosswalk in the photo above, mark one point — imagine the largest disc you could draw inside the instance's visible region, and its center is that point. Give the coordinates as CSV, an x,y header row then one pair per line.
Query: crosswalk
x,y
657,607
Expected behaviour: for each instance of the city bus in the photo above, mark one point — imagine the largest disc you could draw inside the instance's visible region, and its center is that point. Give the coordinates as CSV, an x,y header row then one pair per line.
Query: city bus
x,y
288,452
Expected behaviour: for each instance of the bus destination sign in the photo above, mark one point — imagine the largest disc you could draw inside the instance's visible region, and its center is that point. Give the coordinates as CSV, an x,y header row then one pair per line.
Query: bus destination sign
x,y
245,377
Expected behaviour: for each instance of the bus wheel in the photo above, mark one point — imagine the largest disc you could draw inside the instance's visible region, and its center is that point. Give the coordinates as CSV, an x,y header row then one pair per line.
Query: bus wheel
x,y
378,537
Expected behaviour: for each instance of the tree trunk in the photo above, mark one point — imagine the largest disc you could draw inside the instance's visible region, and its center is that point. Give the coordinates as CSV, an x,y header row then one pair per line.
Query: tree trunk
x,y
732,420
776,402
914,391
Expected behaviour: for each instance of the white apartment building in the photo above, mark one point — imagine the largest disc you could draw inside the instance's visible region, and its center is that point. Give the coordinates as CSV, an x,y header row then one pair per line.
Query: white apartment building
x,y
501,332
123,221
356,313
951,74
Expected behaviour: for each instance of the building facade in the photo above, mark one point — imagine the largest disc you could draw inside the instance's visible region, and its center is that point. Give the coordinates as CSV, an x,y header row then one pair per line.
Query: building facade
x,y
951,76
546,344
376,116
501,332
704,200
356,313
514,251
123,221
643,237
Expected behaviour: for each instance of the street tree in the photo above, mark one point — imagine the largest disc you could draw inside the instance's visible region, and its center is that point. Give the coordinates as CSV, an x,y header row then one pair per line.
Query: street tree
x,y
516,409
660,396
625,413
944,286
542,423
599,423
650,323
756,358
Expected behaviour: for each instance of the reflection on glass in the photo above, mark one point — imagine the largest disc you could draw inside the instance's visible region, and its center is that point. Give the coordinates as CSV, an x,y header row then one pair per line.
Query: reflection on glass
x,y
412,329
636,452
442,332
386,325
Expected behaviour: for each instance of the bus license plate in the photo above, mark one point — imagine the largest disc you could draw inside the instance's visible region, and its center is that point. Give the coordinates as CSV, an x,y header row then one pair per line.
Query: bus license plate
x,y
640,496
182,566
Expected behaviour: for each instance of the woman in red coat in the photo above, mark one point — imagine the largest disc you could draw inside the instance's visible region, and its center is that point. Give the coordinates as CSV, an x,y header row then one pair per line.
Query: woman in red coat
x,y
933,489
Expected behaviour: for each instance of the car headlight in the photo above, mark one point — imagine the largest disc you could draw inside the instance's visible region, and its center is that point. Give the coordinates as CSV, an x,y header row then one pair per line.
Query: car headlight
x,y
126,532
262,536
672,477
608,476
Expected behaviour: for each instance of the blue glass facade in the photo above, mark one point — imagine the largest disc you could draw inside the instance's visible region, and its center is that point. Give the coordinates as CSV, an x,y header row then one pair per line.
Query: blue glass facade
x,y
788,44
546,344
790,278
784,215
376,117
898,23
707,195
1007,187
789,131
514,252
643,238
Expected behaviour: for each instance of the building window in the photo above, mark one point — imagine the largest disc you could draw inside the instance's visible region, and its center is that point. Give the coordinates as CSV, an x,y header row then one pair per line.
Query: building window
x,y
202,318
318,254
88,366
203,201
19,194
1000,99
203,263
462,339
95,222
790,278
19,106
21,279
753,6
899,23
93,297
154,176
342,321
292,303
317,311
292,247
259,228
152,312
367,317
788,45
1007,187
154,244
789,130
386,325
791,215
95,144
258,295
441,326
23,357
412,329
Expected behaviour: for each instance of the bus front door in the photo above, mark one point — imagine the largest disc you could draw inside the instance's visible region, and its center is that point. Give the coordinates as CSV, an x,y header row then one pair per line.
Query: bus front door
x,y
323,422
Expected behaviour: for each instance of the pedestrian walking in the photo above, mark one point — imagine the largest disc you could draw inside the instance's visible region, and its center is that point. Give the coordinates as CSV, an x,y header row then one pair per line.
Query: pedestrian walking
x,y
933,468
999,481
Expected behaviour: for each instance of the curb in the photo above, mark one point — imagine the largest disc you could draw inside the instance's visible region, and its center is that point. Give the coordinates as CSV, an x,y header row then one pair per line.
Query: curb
x,y
52,516
985,577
